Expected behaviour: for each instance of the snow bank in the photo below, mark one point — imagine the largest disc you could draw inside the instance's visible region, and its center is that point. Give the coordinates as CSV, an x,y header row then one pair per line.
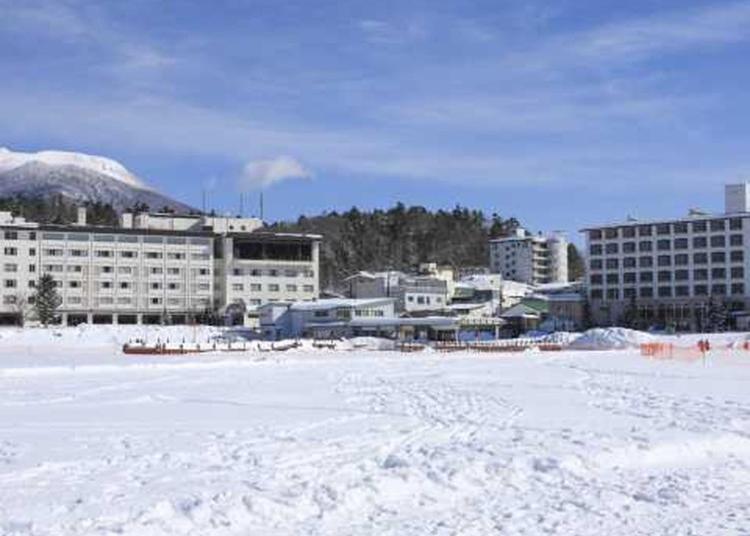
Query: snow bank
x,y
611,339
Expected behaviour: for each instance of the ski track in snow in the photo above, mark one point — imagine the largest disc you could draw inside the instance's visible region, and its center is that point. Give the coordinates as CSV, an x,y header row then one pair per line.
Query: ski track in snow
x,y
378,443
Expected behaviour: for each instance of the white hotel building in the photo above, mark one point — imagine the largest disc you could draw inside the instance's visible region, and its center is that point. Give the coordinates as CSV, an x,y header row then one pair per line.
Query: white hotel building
x,y
154,267
530,259
671,268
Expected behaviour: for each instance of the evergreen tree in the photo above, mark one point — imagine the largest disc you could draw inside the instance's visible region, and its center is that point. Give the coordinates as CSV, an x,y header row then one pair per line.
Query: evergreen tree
x,y
576,265
630,314
46,299
718,315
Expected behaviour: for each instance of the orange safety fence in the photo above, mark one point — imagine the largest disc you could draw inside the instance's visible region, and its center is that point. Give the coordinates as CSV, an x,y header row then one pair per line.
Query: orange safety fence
x,y
665,350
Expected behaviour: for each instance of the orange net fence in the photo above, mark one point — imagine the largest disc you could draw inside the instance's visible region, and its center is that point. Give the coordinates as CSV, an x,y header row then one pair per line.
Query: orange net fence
x,y
666,350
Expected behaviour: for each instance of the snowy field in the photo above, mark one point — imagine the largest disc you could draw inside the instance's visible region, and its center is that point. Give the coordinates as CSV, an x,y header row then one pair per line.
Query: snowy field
x,y
358,442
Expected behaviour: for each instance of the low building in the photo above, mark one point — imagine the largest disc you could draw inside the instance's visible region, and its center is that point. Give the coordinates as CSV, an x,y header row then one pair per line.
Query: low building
x,y
413,293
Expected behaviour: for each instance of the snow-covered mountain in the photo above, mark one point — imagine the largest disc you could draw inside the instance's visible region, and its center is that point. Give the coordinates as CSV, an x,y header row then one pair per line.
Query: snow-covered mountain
x,y
77,176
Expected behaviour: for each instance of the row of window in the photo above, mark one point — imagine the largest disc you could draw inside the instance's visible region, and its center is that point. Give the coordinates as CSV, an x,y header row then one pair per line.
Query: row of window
x,y
630,231
257,287
12,251
736,289
123,270
681,259
109,285
127,239
700,274
666,244
257,272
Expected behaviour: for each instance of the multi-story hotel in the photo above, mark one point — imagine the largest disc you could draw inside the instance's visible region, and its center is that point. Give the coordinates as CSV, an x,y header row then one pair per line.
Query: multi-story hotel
x,y
530,259
671,268
154,267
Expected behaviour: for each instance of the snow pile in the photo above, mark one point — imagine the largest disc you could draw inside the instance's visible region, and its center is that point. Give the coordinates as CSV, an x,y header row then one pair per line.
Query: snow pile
x,y
564,338
611,339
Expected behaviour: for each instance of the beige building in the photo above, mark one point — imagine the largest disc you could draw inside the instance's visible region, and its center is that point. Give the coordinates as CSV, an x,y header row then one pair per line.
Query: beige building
x,y
153,268
530,259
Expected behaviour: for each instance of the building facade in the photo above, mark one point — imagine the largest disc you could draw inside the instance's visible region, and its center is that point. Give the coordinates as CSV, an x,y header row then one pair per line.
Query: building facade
x,y
152,269
671,270
530,259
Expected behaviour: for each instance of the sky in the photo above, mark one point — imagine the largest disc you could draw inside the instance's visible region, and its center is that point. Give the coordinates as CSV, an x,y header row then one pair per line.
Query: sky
x,y
562,114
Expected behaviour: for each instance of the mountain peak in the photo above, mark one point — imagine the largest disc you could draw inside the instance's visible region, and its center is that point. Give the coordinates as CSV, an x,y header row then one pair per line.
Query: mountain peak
x,y
10,160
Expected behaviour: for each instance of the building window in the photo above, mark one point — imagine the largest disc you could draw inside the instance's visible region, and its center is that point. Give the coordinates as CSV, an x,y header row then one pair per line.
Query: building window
x,y
700,274
596,279
596,264
610,233
628,277
718,241
11,235
613,294
664,260
700,241
737,272
681,243
718,273
644,230
681,275
628,247
735,240
735,224
738,288
291,288
255,287
718,257
681,259
682,291
699,227
153,255
628,292
128,254
628,232
612,264
645,245
10,283
647,277
595,249
665,292
680,228
238,287
10,267
700,258
718,225
613,279
664,276
628,262
647,292
612,248
737,256
308,288
719,290
594,234
11,252
597,294
273,287
662,229
646,262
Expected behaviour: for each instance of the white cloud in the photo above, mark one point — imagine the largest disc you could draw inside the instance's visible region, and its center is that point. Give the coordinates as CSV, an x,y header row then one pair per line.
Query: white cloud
x,y
260,174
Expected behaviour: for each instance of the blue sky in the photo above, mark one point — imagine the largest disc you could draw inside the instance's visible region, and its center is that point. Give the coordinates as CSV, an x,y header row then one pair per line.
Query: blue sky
x,y
561,113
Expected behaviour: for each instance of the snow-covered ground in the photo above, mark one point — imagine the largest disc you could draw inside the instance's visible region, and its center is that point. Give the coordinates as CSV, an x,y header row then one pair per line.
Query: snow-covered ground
x,y
359,442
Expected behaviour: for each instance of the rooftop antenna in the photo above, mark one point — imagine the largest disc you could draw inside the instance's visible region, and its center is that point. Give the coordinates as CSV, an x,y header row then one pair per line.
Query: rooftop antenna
x,y
242,204
261,206
203,200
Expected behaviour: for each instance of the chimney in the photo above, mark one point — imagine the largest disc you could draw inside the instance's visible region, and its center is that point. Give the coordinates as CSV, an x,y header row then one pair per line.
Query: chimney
x,y
81,221
127,220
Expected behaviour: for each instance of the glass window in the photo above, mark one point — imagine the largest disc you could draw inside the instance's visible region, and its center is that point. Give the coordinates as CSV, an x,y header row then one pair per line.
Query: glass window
x,y
719,289
718,273
628,277
612,248
700,274
610,233
718,241
628,262
699,226
718,225
596,279
597,294
737,256
595,264
644,230
612,264
718,256
628,247
665,275
681,243
647,292
735,240
645,245
681,259
595,234
738,288
682,291
628,232
681,228
665,292
662,229
613,279
647,277
664,260
700,258
737,272
700,290
645,262
735,224
700,241
681,275
595,249
613,294
663,244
